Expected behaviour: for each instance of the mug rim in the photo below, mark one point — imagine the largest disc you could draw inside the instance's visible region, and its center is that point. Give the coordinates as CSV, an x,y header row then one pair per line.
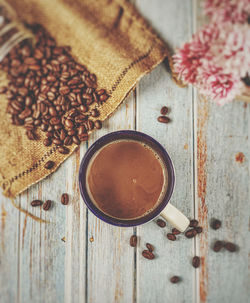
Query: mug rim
x,y
120,135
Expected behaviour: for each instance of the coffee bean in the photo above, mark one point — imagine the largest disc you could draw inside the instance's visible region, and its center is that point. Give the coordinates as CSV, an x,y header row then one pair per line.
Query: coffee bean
x,y
68,140
193,223
164,110
47,205
83,137
98,124
175,279
230,246
31,135
161,223
215,224
148,255
36,203
69,123
133,241
65,199
190,233
57,141
150,247
76,140
103,98
163,119
55,121
94,113
63,150
3,89
198,229
218,245
196,262
171,237
49,164
175,231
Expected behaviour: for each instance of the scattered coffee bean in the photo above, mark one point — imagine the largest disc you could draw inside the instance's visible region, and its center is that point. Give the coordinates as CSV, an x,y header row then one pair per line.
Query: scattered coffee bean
x,y
161,223
36,203
133,241
163,119
193,223
148,254
230,246
171,237
216,224
150,247
218,245
164,110
190,233
47,205
175,231
65,199
175,279
196,262
94,113
49,164
198,229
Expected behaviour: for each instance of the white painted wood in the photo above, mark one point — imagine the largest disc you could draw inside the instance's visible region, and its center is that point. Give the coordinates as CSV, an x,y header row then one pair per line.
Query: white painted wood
x,y
110,257
9,247
222,192
203,140
173,21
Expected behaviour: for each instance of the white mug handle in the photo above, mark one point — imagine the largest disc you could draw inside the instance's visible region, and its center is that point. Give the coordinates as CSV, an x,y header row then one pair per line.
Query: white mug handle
x,y
175,217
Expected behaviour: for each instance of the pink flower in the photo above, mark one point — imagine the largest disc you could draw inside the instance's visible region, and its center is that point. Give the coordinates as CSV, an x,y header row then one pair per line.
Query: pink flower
x,y
227,10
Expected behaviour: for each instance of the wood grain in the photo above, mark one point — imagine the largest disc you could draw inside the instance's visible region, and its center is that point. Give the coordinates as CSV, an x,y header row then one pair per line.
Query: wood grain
x,y
210,148
154,91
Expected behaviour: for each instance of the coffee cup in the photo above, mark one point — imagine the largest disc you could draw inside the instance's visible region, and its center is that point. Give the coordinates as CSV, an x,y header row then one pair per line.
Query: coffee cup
x,y
141,163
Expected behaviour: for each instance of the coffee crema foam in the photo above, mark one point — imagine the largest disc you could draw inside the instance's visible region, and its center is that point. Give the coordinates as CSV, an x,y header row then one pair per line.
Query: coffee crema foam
x,y
126,179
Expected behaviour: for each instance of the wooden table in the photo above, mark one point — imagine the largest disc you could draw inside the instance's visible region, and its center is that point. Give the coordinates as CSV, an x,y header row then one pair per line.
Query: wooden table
x,y
95,263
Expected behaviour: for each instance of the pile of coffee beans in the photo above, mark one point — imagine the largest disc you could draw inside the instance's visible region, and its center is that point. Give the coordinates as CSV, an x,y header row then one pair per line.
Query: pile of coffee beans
x,y
49,90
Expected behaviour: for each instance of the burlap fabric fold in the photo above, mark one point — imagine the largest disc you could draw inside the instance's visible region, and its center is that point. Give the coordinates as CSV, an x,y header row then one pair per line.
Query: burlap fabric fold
x,y
111,39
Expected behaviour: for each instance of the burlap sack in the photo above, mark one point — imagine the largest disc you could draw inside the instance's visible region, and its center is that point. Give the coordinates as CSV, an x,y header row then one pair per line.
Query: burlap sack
x,y
111,39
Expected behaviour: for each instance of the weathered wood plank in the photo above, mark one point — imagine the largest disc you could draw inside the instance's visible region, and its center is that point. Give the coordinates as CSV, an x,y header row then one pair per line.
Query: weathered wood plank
x,y
173,21
110,258
9,246
222,191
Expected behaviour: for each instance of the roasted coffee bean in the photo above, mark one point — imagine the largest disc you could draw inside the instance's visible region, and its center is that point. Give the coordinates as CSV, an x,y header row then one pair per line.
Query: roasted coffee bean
x,y
47,205
193,223
45,83
216,224
65,199
163,119
175,279
94,113
218,245
190,233
57,141
150,247
36,203
68,140
196,262
98,124
164,110
3,89
83,137
76,140
171,237
175,231
49,164
198,229
133,241
230,246
148,255
63,150
31,135
161,223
